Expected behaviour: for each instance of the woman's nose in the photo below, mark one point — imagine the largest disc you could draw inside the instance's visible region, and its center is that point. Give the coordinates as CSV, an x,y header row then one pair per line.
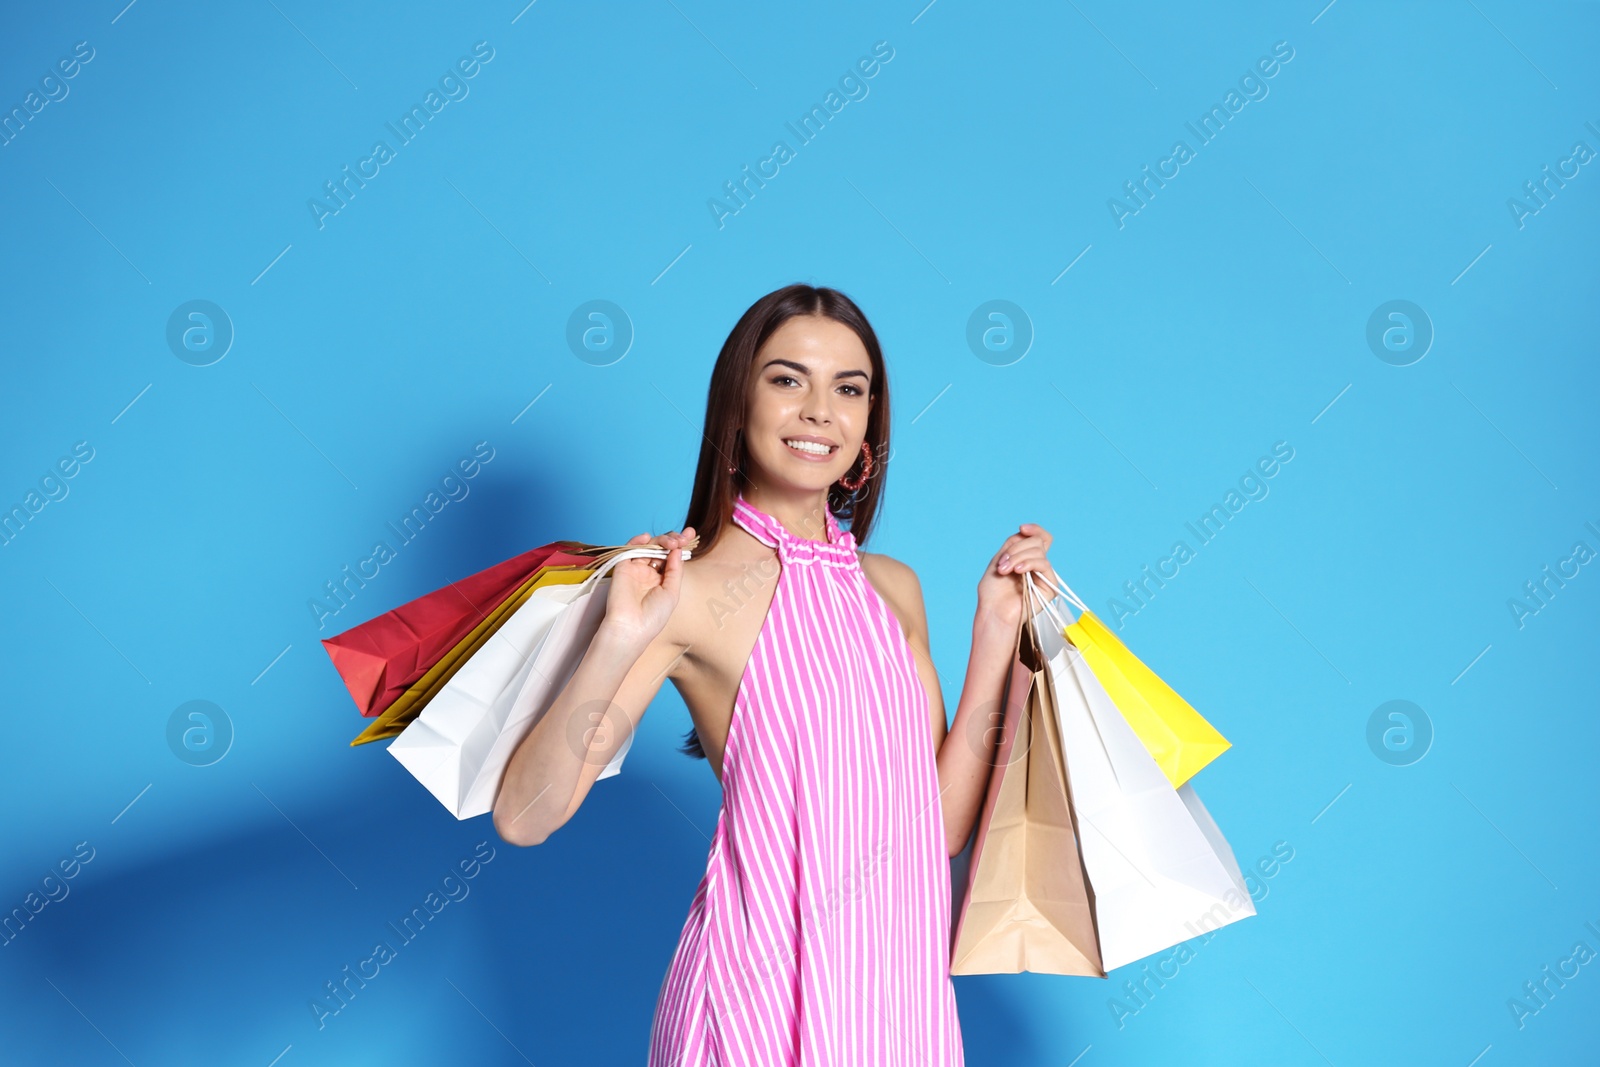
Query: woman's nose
x,y
817,409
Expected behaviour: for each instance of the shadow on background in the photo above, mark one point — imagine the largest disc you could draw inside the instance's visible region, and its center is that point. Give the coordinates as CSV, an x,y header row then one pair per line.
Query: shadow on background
x,y
558,950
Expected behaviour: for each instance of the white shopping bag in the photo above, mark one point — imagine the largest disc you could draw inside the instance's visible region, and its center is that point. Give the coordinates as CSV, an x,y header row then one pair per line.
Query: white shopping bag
x,y
1160,870
461,742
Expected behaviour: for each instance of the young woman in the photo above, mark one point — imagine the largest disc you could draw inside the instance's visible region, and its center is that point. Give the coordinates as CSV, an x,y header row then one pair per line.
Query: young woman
x,y
820,931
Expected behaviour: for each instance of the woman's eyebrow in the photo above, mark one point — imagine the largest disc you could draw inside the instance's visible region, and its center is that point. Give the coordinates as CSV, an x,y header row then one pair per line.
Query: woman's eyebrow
x,y
803,369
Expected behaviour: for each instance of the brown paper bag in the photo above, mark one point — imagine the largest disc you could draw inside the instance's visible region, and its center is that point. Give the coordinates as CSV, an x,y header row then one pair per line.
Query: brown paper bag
x,y
1027,904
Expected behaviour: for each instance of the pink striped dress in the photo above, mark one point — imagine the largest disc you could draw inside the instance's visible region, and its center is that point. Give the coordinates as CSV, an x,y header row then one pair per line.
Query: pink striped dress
x,y
820,933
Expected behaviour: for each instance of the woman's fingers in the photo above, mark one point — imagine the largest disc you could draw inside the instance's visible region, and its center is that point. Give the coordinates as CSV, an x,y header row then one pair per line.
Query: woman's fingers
x,y
672,574
1029,540
1006,549
673,541
1027,561
679,537
1029,531
1024,551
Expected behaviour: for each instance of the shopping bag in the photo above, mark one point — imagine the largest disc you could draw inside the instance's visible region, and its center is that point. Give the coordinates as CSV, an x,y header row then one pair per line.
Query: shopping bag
x,y
1181,741
381,658
1027,904
1160,870
461,742
398,715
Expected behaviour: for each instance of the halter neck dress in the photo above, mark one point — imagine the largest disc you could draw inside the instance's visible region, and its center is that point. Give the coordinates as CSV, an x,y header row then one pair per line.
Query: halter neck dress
x,y
819,935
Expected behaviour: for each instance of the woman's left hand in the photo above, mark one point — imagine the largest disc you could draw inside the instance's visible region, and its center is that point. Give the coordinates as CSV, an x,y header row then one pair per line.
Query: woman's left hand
x,y
1000,591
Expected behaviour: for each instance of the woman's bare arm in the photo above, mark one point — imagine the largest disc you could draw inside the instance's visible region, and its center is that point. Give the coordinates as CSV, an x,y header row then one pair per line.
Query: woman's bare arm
x,y
553,768
965,750
967,755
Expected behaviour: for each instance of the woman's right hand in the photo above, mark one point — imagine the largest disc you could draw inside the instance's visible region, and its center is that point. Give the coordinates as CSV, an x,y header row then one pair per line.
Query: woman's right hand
x,y
644,592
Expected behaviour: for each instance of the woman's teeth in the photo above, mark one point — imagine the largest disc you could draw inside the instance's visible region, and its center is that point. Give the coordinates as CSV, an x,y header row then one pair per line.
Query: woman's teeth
x,y
809,446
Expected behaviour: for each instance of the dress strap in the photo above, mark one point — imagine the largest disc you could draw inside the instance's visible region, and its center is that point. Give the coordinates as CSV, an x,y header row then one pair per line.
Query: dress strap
x,y
840,545
758,524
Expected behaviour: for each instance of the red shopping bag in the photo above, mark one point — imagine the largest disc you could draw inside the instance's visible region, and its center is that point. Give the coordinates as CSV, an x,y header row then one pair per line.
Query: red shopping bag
x,y
381,658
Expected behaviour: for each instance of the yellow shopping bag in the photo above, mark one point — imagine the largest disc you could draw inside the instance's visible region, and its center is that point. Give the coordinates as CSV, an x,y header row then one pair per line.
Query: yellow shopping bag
x,y
1179,738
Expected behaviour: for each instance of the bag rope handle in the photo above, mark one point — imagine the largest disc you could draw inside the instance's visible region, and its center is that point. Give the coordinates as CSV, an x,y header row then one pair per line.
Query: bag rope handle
x,y
632,552
1031,592
1061,589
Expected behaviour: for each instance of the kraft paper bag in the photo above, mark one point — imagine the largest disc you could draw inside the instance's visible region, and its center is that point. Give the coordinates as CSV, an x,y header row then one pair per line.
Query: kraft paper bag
x,y
1027,904
1179,738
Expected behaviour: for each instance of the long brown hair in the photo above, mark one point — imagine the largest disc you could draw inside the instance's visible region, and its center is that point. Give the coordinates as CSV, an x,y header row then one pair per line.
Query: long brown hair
x,y
722,442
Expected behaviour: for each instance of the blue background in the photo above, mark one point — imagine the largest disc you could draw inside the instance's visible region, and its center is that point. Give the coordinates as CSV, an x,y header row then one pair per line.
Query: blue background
x,y
372,353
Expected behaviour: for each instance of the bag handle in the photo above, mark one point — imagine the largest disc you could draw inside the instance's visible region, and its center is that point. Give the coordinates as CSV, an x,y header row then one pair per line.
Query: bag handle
x,y
631,552
1061,589
601,553
1031,592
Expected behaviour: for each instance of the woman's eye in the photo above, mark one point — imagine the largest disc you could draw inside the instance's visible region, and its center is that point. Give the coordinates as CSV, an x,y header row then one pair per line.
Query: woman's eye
x,y
789,379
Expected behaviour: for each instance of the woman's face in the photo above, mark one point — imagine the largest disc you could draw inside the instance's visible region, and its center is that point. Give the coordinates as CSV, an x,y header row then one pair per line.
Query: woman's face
x,y
808,405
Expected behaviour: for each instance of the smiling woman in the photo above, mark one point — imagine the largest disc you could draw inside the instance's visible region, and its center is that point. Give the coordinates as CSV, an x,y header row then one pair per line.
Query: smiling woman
x,y
824,911
827,750
754,425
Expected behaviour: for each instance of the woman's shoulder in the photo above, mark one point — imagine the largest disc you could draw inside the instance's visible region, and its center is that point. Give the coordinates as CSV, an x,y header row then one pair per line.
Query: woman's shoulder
x,y
717,579
899,586
880,567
